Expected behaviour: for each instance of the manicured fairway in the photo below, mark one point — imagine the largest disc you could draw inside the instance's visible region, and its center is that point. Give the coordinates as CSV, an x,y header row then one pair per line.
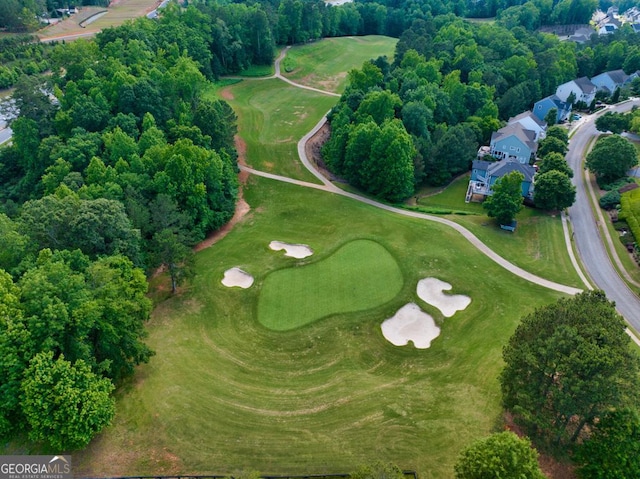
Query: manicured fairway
x,y
361,275
225,394
273,116
324,64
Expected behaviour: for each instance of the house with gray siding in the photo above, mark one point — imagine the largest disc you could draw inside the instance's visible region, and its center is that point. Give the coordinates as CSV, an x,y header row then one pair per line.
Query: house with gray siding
x,y
609,82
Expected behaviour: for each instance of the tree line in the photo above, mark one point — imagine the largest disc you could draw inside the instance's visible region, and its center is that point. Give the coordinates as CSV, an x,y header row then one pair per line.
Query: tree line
x,y
119,163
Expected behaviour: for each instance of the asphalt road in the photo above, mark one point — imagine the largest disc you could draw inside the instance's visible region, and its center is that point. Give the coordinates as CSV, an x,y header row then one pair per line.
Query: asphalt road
x,y
587,236
5,135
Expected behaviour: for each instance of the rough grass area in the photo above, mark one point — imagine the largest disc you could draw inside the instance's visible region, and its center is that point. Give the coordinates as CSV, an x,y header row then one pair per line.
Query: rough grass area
x,y
324,64
361,275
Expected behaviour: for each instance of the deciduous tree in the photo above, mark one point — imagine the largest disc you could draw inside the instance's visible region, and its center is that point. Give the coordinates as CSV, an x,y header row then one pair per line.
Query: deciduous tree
x,y
553,191
611,158
500,455
65,404
506,200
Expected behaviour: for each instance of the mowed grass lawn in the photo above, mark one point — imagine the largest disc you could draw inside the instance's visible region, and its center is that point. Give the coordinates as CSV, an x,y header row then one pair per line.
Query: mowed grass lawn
x,y
537,245
359,276
272,117
324,64
225,394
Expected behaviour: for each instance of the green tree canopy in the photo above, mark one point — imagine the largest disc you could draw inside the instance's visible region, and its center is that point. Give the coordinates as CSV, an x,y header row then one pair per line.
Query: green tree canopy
x,y
555,161
553,191
65,404
611,158
614,122
613,450
566,365
506,200
500,455
551,144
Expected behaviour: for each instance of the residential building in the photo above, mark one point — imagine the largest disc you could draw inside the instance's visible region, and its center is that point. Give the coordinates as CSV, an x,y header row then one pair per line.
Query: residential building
x,y
514,143
530,122
542,107
484,175
608,82
582,89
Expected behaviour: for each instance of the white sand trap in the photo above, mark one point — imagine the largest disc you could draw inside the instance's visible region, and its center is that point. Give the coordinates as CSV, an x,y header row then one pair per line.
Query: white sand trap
x,y
293,250
430,290
237,277
410,323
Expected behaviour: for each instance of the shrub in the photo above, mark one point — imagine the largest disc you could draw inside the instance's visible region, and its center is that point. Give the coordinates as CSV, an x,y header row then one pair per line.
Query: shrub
x,y
616,184
610,200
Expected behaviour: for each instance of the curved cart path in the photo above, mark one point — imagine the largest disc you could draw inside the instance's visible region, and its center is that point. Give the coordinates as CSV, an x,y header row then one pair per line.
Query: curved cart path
x,y
330,187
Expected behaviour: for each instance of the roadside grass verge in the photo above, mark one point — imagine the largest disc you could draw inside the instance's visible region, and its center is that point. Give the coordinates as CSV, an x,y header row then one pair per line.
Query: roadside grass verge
x,y
272,117
359,276
225,394
324,64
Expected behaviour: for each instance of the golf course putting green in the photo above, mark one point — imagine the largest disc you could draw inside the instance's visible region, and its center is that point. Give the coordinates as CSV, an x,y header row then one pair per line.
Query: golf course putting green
x,y
360,275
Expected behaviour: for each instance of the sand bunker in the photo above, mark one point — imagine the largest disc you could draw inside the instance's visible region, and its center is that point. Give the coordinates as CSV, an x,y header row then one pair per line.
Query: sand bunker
x,y
298,251
237,277
410,323
430,290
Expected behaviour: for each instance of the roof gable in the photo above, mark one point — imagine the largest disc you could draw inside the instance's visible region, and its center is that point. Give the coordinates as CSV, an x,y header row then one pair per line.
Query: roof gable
x,y
585,85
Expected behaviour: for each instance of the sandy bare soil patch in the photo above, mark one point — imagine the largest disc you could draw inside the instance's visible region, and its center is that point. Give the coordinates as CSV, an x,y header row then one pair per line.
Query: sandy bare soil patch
x,y
237,277
298,251
430,290
410,323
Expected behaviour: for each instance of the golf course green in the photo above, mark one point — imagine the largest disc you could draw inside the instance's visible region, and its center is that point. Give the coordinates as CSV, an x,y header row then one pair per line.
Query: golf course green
x,y
293,375
361,275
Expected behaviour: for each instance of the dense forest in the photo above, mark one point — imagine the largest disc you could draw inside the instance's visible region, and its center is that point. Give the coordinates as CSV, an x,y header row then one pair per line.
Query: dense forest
x,y
120,162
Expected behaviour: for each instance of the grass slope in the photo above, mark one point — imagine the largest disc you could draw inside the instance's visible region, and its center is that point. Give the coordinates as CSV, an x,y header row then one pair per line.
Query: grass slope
x,y
225,394
359,276
324,64
272,117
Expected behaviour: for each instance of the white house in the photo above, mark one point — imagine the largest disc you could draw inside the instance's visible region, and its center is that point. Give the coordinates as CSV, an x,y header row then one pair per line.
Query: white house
x,y
530,122
582,88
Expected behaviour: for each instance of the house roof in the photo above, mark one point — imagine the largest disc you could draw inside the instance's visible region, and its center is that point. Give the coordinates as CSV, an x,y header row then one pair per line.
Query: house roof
x,y
516,129
559,104
481,164
585,85
501,168
526,114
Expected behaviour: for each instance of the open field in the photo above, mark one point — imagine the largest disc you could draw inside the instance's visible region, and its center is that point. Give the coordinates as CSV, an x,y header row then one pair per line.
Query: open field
x,y
117,14
324,64
225,394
